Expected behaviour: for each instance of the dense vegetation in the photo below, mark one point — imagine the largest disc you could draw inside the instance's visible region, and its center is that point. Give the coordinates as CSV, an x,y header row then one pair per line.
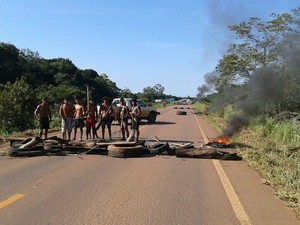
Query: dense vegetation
x,y
256,99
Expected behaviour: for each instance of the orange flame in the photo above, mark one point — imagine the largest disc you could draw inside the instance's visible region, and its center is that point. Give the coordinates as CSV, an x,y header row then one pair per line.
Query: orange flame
x,y
222,140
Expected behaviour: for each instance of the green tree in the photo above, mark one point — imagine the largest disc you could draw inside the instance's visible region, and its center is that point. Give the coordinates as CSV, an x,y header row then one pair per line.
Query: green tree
x,y
257,46
10,63
151,93
126,93
17,103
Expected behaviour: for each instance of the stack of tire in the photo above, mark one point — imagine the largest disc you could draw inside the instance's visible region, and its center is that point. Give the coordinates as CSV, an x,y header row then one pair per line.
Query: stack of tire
x,y
17,150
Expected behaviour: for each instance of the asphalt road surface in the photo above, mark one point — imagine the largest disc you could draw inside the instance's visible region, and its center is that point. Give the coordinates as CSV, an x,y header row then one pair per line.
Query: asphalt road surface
x,y
149,190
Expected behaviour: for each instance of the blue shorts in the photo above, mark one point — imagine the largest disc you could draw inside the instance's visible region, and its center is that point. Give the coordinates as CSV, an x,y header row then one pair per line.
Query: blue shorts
x,y
44,123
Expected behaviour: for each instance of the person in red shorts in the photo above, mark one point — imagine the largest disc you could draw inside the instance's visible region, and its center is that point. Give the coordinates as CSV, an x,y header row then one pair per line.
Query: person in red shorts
x,y
92,116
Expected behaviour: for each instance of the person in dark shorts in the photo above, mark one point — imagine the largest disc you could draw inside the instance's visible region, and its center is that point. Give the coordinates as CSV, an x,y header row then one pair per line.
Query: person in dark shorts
x,y
78,118
123,119
105,113
135,122
43,113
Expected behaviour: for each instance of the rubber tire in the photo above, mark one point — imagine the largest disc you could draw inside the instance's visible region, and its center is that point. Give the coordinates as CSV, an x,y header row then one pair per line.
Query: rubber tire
x,y
152,117
159,148
125,151
181,112
15,152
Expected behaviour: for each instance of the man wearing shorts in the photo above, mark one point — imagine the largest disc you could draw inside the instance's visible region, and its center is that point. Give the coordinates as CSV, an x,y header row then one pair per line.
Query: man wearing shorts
x,y
78,115
135,122
106,111
66,113
124,113
92,115
42,112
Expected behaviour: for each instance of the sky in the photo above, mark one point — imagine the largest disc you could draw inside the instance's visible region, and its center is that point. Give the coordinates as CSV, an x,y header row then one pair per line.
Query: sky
x,y
137,43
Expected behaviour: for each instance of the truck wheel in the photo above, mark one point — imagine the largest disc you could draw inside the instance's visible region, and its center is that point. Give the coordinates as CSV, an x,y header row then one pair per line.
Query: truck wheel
x,y
125,151
152,117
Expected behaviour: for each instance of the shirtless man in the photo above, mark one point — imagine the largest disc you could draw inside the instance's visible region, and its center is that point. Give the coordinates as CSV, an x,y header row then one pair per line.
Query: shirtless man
x,y
105,112
78,115
92,116
42,112
135,122
66,114
124,114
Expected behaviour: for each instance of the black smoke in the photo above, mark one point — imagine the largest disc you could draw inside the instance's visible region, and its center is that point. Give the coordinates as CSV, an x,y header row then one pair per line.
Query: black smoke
x,y
263,95
209,86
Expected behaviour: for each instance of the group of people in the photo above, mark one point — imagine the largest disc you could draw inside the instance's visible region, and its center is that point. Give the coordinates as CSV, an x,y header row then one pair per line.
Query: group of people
x,y
76,117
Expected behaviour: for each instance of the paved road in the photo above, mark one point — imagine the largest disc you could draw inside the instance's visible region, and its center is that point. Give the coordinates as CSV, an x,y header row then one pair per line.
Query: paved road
x,y
97,189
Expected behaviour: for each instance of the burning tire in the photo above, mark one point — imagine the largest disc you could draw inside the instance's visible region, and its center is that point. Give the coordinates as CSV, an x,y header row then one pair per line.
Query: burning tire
x,y
181,112
125,151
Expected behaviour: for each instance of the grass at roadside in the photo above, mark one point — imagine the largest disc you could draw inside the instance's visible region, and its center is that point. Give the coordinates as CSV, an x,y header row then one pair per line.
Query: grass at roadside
x,y
274,153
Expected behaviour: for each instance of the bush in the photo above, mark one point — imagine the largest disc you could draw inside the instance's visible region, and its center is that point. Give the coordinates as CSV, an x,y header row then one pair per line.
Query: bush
x,y
17,103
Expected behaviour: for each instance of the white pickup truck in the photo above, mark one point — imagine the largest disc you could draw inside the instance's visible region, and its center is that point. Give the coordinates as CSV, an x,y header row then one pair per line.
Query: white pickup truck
x,y
148,113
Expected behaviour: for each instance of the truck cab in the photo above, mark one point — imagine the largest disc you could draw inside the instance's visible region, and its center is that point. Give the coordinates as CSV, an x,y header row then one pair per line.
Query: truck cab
x,y
148,113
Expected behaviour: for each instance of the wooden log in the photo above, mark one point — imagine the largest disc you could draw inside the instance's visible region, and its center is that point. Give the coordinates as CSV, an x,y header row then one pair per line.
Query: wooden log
x,y
206,154
198,153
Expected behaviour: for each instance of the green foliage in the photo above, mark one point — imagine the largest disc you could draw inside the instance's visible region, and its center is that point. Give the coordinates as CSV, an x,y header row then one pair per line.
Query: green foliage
x,y
10,63
258,46
149,94
52,78
275,153
200,106
283,132
16,106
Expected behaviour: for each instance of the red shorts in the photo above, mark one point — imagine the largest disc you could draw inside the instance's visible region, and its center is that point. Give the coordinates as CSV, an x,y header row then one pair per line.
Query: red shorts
x,y
90,123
